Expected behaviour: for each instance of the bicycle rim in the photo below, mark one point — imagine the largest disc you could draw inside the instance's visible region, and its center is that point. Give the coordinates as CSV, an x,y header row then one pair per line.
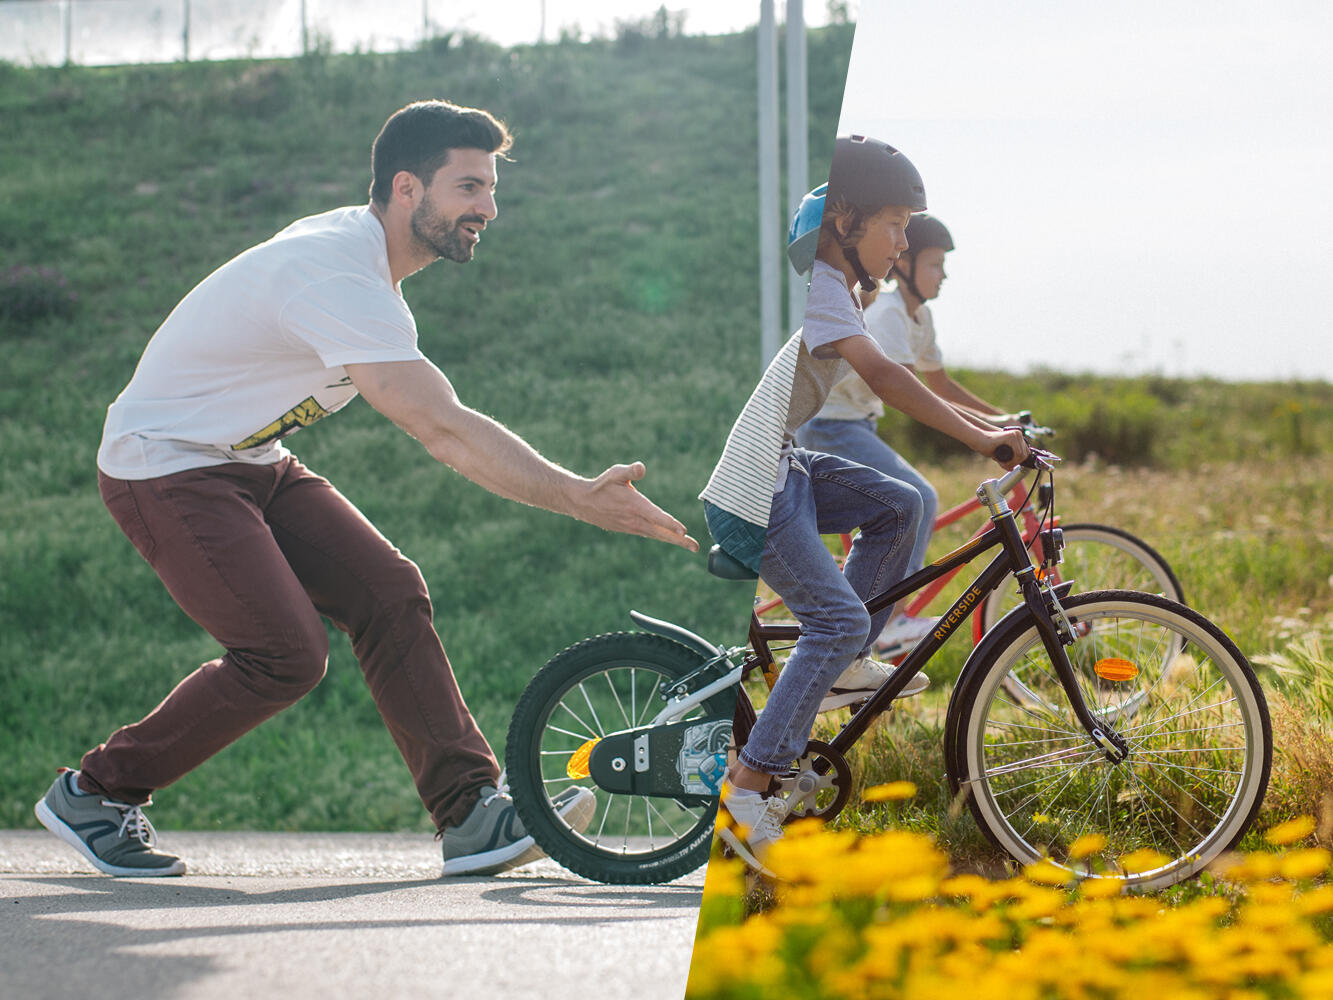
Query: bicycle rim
x,y
1189,707
605,699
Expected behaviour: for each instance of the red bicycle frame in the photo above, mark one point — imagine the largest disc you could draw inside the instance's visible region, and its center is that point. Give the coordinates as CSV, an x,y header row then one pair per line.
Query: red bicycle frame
x,y
1018,501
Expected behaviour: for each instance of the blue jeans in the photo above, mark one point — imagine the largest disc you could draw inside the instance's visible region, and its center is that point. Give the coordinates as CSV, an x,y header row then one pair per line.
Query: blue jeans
x,y
827,495
857,440
737,537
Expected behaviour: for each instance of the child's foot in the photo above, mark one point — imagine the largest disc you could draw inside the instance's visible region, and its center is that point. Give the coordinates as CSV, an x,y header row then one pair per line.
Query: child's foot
x,y
902,633
862,679
756,823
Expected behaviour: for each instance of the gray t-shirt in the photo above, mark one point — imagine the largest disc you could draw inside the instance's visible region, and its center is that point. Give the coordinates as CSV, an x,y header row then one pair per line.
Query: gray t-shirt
x,y
792,390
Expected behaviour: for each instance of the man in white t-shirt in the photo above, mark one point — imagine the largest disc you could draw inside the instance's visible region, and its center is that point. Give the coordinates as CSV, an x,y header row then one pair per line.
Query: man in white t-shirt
x,y
899,321
256,548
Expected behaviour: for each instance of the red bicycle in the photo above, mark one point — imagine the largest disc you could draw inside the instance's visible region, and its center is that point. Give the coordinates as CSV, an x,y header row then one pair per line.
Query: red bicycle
x,y
1096,556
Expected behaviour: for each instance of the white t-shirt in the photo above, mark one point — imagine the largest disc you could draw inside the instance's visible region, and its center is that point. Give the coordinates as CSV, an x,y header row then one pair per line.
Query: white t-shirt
x,y
902,338
791,391
256,350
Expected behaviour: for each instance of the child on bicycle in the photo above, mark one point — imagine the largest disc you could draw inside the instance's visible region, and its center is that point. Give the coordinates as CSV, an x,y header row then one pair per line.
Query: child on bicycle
x,y
901,324
768,501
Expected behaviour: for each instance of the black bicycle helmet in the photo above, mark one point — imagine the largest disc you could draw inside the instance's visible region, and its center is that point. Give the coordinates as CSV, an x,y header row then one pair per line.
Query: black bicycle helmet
x,y
924,231
869,175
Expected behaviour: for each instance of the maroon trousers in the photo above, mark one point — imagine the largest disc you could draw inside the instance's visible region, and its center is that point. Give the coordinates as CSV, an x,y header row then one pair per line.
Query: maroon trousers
x,y
256,554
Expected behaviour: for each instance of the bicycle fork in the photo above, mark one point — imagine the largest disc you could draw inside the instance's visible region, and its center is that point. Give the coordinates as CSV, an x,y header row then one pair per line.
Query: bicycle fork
x,y
1057,632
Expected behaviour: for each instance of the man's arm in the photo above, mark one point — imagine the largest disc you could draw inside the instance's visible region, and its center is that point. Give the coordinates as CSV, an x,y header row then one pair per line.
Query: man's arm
x,y
898,387
417,397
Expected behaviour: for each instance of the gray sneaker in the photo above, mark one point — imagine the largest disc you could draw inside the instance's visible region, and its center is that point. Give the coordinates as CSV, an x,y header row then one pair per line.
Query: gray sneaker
x,y
115,837
492,838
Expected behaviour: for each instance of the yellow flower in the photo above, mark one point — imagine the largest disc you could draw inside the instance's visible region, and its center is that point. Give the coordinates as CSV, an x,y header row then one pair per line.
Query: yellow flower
x,y
1088,844
1101,888
1304,863
1291,831
1046,872
1318,900
1143,860
891,791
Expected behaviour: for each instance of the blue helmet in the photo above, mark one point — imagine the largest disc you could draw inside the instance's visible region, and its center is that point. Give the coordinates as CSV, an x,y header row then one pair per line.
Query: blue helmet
x,y
803,236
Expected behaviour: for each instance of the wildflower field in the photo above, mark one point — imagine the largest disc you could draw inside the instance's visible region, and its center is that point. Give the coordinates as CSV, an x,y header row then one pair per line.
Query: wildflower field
x,y
883,917
902,896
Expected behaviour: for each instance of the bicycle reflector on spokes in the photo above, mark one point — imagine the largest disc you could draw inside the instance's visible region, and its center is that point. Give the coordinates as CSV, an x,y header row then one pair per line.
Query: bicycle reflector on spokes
x,y
578,767
1115,669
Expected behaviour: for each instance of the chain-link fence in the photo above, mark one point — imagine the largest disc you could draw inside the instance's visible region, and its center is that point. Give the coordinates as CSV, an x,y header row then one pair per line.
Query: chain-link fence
x,y
102,32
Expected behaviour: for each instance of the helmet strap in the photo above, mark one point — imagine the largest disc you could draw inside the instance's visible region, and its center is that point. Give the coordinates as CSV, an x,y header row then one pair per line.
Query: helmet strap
x,y
908,278
868,283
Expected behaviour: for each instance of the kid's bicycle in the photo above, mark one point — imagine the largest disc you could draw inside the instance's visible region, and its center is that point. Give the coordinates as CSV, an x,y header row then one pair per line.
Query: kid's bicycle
x,y
1111,713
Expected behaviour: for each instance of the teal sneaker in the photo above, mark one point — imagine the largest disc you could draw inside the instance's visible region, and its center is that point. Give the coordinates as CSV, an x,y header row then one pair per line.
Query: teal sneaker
x,y
492,838
115,837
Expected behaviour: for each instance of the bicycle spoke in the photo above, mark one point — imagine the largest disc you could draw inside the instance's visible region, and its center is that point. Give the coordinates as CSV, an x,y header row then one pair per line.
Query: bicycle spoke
x,y
577,718
601,730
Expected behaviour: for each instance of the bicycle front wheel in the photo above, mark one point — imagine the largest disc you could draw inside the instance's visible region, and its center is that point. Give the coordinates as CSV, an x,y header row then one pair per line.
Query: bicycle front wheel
x,y
1098,557
600,686
1168,681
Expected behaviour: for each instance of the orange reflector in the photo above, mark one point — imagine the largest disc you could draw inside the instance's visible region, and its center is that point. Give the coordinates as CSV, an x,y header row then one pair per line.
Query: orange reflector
x,y
578,764
1113,669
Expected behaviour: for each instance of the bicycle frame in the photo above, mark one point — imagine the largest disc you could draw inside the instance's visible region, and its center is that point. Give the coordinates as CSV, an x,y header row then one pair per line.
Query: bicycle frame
x,y
932,586
1013,560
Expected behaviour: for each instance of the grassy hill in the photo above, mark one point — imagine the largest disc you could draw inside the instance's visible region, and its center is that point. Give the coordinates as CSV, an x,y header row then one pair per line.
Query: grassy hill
x,y
610,316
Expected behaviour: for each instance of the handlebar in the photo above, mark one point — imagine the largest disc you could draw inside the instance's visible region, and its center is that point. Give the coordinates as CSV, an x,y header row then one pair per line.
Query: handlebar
x,y
1037,459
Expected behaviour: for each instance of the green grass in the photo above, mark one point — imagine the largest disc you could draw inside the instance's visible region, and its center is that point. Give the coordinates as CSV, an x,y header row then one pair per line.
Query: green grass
x,y
611,316
1253,552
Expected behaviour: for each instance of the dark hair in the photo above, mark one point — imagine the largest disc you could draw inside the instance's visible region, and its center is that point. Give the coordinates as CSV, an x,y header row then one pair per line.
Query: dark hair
x,y
418,138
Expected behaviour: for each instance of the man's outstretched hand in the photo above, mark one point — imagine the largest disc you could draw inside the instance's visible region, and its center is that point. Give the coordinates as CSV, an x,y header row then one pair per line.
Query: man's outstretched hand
x,y
613,503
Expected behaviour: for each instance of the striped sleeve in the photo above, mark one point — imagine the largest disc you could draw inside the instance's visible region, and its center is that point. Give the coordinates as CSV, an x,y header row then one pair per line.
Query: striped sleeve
x,y
742,482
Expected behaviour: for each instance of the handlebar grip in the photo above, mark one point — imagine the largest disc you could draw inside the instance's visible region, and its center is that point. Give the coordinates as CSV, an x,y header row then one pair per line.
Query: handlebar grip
x,y
1004,453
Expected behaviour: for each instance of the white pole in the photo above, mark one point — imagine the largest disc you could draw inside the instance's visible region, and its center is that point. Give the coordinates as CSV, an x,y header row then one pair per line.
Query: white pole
x,y
185,34
769,205
69,18
798,153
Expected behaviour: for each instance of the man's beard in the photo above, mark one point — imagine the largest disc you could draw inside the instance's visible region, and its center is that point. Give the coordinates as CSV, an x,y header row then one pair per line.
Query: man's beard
x,y
442,237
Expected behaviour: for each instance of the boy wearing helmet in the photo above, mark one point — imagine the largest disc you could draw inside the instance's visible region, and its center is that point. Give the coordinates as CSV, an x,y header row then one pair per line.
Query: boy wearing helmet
x,y
768,501
901,324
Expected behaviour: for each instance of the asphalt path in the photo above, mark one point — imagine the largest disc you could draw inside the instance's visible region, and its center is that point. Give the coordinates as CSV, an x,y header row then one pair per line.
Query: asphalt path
x,y
293,915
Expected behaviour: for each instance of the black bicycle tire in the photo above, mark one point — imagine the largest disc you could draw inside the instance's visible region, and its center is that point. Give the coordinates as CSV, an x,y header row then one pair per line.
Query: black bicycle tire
x,y
522,760
1147,556
1016,627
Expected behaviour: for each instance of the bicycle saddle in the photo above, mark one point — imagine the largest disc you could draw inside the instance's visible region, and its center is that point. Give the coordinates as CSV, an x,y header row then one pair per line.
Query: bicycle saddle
x,y
723,565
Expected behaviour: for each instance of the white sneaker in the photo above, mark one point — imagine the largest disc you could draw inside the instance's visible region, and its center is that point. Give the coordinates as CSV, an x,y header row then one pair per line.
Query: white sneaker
x,y
756,823
902,633
862,679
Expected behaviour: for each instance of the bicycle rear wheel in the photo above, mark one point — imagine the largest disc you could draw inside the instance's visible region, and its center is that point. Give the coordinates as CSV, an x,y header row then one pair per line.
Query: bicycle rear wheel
x,y
1098,557
1167,680
600,686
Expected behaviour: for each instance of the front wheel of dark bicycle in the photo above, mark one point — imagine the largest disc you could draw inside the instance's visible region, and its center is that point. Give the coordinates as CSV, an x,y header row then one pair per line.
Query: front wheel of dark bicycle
x,y
1166,680
600,686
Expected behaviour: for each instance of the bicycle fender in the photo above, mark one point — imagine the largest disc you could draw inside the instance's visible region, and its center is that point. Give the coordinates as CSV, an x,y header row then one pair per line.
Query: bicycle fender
x,y
677,633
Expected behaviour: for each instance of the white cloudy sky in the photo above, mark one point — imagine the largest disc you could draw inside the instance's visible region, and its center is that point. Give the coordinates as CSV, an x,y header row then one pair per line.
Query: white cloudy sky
x,y
1133,187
